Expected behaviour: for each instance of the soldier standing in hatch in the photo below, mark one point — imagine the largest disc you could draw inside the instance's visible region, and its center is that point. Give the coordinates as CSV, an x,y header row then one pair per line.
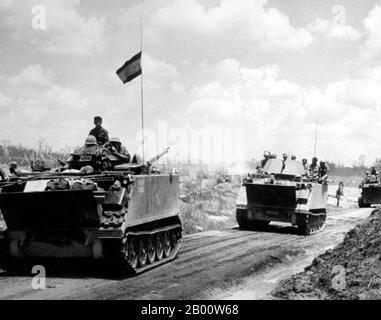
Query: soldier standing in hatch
x,y
285,156
313,170
323,171
119,150
91,147
305,164
3,174
100,133
266,156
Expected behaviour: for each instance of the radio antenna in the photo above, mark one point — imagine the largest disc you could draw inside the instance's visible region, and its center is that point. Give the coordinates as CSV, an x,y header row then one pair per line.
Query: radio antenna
x,y
316,129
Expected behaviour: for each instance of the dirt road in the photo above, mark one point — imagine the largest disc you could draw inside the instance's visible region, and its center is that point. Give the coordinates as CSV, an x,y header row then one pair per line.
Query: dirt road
x,y
211,265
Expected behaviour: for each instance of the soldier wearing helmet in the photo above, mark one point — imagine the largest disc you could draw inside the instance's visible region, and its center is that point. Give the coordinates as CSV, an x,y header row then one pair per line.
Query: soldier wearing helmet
x,y
118,150
91,147
305,165
266,156
14,170
313,170
3,174
323,171
285,156
100,133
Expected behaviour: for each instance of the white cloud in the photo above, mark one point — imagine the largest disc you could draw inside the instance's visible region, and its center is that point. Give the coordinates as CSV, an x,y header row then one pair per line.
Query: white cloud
x,y
5,101
244,19
66,31
242,92
51,114
372,24
157,73
5,3
281,115
31,74
155,68
331,29
361,93
178,87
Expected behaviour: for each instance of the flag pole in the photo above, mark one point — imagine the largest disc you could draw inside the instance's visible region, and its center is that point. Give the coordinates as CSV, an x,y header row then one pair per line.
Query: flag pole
x,y
316,129
141,80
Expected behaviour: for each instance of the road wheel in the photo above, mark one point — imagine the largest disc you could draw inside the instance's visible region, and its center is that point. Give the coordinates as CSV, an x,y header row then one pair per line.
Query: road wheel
x,y
166,244
133,253
174,239
142,252
159,246
151,249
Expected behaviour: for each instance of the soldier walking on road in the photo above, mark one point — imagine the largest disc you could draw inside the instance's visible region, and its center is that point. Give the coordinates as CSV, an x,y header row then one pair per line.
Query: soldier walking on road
x,y
339,192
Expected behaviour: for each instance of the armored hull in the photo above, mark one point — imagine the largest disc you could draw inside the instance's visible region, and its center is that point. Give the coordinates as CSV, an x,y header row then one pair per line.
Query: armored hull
x,y
370,194
118,217
282,195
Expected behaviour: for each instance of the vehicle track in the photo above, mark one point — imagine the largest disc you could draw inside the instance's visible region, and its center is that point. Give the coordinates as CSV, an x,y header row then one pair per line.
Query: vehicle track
x,y
210,265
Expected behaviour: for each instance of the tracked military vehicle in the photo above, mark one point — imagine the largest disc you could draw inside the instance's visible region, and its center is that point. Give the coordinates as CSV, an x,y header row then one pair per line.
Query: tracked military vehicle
x,y
284,194
370,191
123,214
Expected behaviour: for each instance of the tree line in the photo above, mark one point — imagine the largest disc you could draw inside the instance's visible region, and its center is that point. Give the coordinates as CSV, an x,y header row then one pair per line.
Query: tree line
x,y
24,155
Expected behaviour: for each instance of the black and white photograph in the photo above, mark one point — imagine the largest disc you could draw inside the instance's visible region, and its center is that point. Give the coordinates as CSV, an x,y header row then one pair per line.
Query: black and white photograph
x,y
204,153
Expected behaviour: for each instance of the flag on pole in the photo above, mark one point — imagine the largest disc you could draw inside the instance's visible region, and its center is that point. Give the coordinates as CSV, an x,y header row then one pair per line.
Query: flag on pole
x,y
131,69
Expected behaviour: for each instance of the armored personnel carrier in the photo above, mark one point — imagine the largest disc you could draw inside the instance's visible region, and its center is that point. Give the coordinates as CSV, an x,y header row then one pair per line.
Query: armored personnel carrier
x,y
123,214
370,191
282,193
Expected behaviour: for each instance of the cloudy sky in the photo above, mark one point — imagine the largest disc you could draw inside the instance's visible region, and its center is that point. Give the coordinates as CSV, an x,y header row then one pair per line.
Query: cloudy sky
x,y
247,75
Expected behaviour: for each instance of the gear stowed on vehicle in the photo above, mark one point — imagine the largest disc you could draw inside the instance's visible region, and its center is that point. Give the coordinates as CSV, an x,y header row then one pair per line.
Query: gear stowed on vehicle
x,y
125,215
283,194
370,191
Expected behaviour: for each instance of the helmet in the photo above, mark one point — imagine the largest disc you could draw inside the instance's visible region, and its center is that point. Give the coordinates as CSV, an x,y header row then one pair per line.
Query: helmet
x,y
13,164
293,157
266,154
314,159
116,140
87,169
284,155
304,160
91,140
